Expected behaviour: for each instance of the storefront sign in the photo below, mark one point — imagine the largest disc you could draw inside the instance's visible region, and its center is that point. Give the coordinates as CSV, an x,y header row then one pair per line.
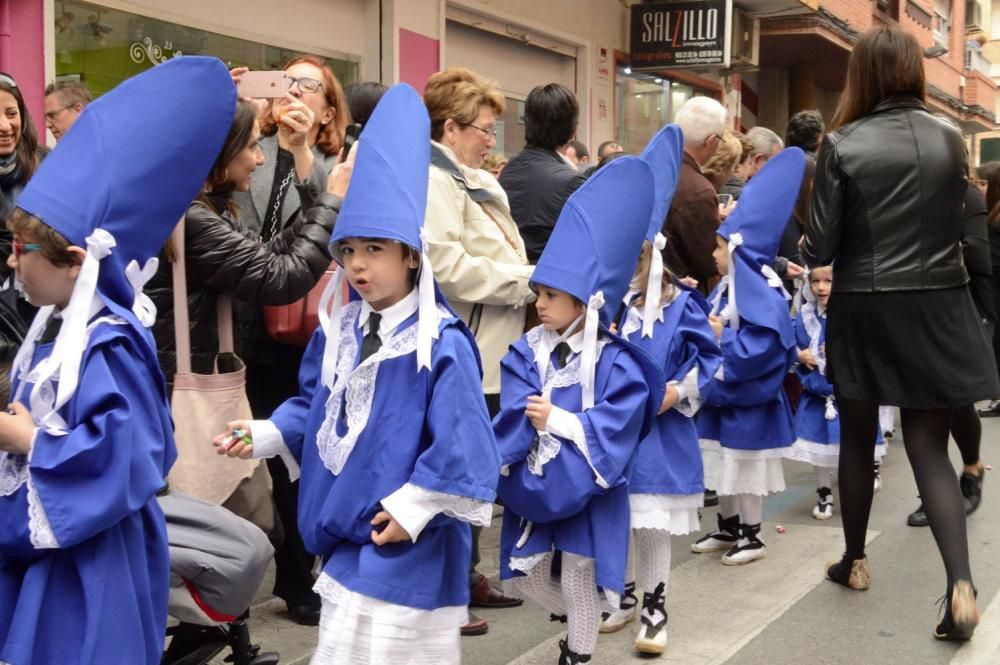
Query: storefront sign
x,y
681,34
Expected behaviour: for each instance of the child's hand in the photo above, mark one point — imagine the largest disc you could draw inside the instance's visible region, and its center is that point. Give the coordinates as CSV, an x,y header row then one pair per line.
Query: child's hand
x,y
689,282
392,533
807,358
613,328
17,429
717,326
538,411
236,441
670,399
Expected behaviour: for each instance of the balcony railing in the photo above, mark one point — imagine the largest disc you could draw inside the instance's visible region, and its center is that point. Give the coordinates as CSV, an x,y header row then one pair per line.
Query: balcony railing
x,y
975,61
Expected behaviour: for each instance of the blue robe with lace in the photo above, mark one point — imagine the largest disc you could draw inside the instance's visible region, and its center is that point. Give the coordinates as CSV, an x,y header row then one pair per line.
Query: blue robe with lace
x,y
568,510
97,591
669,459
746,408
427,428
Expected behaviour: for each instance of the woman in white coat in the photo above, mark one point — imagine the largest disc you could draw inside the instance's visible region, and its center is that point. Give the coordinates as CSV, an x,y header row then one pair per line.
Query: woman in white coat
x,y
474,245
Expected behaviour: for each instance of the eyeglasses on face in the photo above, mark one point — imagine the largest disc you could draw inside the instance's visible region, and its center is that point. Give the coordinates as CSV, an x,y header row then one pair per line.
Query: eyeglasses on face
x,y
305,83
492,132
22,247
52,115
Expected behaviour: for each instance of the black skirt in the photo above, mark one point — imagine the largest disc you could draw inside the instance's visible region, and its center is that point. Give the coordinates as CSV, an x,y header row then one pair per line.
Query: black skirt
x,y
912,349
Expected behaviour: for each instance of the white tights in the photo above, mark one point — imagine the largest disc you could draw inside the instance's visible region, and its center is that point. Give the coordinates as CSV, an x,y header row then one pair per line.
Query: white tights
x,y
750,507
653,558
824,476
577,597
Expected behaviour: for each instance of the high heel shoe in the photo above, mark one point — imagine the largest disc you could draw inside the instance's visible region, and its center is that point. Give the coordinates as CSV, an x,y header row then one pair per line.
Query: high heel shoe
x,y
961,614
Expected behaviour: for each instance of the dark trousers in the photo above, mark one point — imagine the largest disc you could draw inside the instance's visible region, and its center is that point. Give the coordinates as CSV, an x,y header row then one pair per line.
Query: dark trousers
x,y
267,387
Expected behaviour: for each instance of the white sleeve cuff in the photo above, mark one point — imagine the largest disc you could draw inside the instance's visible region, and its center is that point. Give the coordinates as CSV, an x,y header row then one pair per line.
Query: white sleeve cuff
x,y
39,529
719,373
689,400
414,506
268,442
566,425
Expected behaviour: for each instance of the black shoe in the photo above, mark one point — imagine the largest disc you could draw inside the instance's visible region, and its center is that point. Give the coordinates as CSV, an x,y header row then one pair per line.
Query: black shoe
x,y
972,490
918,517
992,410
711,498
191,643
305,614
569,657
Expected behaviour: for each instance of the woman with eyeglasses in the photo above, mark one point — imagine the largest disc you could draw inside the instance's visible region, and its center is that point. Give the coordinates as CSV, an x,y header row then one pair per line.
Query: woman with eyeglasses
x,y
477,252
303,133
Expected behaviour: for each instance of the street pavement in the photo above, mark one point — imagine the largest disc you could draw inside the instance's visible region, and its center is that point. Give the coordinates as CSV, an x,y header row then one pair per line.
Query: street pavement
x,y
777,611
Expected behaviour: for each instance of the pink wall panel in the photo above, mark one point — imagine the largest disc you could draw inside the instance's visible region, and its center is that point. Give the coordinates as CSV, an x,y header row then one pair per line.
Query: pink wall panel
x,y
22,52
419,57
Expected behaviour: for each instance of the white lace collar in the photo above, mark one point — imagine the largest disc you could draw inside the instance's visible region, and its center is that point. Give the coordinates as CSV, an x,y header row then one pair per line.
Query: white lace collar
x,y
392,316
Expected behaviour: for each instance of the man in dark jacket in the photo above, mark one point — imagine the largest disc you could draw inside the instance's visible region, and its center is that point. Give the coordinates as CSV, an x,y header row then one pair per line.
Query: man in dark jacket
x,y
694,212
538,180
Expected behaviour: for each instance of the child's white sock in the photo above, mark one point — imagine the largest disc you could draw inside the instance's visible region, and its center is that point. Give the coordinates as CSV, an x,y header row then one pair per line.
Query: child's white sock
x,y
751,508
824,476
583,603
654,558
729,506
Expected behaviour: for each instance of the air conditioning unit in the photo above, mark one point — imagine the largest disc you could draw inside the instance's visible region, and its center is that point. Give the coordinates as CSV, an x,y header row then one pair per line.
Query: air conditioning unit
x,y
746,41
973,16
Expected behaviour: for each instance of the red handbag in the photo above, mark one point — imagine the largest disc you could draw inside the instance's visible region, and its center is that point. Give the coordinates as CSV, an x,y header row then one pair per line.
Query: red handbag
x,y
295,323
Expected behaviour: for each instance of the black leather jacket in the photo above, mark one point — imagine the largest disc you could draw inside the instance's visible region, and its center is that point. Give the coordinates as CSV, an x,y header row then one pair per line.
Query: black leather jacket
x,y
223,259
888,202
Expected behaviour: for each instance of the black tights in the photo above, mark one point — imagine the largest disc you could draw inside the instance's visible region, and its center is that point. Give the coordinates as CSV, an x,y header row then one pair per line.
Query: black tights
x,y
967,432
925,435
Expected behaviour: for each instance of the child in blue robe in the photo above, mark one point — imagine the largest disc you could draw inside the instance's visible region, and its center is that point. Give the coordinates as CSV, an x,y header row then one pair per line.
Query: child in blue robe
x,y
746,425
390,429
575,402
88,439
817,422
666,486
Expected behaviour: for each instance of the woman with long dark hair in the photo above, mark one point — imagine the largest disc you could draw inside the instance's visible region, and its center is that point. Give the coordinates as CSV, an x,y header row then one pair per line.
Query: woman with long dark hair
x,y
902,327
20,155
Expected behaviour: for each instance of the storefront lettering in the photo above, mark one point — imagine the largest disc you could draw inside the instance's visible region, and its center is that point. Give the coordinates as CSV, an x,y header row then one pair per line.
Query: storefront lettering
x,y
696,25
147,50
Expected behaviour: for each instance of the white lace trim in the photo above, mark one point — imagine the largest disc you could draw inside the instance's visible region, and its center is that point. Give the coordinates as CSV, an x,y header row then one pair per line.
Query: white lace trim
x,y
546,446
730,471
355,387
388,615
823,454
13,474
675,513
525,564
39,529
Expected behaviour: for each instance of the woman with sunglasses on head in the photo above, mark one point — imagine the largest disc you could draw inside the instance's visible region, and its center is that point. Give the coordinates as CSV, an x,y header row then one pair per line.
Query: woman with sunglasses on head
x,y
303,134
20,155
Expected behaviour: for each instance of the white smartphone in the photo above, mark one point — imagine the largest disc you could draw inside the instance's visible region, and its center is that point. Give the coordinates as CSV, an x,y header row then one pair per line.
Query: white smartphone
x,y
265,85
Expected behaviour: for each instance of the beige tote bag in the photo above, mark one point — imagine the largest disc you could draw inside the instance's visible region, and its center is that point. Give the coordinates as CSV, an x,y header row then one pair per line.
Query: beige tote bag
x,y
202,404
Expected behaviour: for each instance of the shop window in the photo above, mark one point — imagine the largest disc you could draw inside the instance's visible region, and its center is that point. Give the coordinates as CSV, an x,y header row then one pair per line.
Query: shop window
x,y
102,46
989,150
645,103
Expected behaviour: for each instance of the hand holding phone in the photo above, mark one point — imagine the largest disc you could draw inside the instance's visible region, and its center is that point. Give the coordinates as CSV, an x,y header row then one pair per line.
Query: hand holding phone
x,y
263,85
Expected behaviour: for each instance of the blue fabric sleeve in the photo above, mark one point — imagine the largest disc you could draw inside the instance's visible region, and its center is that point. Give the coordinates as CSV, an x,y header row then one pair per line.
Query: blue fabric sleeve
x,y
111,462
514,432
750,353
462,458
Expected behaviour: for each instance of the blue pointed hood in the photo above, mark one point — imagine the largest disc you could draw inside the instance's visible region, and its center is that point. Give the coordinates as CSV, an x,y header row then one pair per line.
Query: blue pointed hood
x,y
117,186
595,245
133,163
387,197
754,231
664,153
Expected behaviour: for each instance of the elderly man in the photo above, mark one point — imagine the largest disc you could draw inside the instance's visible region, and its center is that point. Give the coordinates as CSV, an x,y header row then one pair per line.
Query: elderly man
x,y
766,144
64,102
694,213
